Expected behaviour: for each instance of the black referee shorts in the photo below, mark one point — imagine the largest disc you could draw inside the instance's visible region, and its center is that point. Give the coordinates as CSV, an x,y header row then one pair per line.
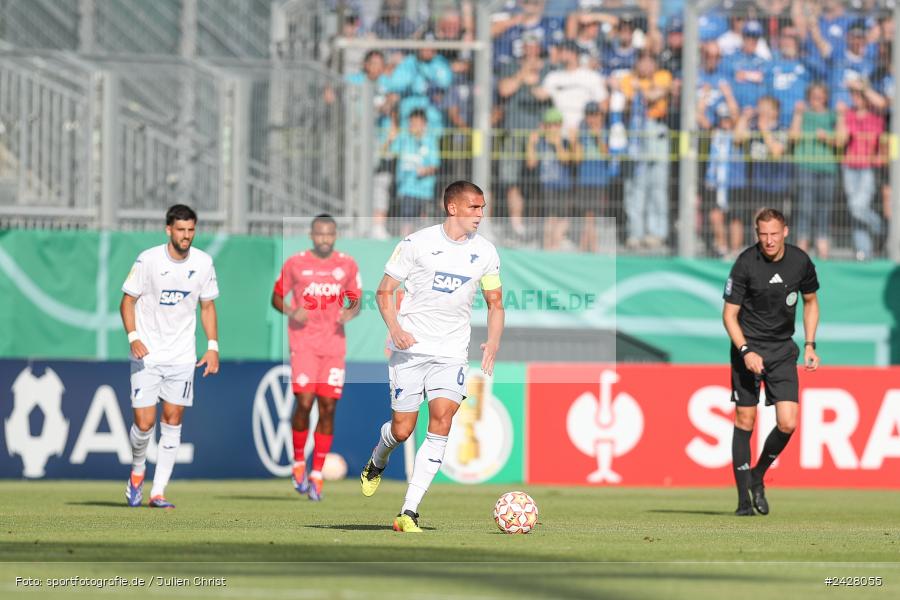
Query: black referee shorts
x,y
779,373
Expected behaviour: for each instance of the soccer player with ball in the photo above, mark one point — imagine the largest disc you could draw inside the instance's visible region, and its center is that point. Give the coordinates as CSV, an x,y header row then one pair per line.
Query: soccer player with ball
x,y
442,267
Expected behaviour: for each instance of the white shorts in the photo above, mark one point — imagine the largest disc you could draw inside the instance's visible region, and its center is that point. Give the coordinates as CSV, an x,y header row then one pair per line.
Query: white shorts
x,y
152,383
413,376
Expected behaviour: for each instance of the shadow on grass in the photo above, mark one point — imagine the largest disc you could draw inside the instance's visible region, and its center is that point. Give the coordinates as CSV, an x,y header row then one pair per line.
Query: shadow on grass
x,y
357,527
673,511
101,503
263,498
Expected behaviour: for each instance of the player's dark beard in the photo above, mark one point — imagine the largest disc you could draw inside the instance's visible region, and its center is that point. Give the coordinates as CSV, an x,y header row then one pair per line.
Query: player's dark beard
x,y
178,248
323,250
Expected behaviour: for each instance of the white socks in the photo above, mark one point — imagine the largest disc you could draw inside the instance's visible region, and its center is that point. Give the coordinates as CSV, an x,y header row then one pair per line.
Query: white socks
x,y
169,440
386,445
139,441
428,462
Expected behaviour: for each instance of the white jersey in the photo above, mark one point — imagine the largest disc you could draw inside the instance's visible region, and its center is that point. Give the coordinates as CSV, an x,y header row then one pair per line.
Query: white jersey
x,y
441,277
166,311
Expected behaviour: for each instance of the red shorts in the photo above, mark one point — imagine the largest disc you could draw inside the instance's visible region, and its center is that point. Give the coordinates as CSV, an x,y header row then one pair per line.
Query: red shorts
x,y
323,375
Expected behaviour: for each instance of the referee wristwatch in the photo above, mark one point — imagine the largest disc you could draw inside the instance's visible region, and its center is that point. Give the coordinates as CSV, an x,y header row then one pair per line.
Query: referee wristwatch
x,y
744,349
813,344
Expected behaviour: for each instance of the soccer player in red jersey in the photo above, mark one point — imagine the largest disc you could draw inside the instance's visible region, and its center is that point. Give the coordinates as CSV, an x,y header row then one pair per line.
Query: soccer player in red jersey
x,y
325,291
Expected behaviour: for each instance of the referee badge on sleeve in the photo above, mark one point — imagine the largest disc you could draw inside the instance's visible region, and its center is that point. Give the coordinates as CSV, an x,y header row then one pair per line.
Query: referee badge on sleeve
x,y
728,285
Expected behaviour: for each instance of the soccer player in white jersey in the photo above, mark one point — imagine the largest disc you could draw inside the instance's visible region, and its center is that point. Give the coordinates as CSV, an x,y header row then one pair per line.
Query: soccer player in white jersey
x,y
442,267
159,311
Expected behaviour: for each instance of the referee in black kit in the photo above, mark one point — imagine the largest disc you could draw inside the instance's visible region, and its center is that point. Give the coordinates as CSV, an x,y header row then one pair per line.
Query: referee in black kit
x,y
760,307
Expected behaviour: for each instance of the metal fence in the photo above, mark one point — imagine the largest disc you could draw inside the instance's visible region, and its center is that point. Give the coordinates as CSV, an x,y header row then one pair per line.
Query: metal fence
x,y
114,142
625,110
208,28
618,112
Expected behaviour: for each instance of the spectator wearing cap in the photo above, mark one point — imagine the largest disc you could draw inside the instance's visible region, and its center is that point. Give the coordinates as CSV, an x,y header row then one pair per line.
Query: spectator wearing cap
x,y
597,165
746,69
816,168
518,18
393,24
847,68
788,75
525,103
646,186
572,86
732,41
550,152
711,25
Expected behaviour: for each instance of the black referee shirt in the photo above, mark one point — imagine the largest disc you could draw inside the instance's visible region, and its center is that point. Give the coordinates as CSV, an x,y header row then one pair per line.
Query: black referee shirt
x,y
768,291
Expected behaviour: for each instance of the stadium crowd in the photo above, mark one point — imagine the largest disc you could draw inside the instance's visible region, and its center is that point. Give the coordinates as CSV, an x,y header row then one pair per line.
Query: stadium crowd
x,y
793,103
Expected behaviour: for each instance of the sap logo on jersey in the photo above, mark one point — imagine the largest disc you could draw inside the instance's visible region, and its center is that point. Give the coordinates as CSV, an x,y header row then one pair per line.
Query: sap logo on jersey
x,y
448,282
172,297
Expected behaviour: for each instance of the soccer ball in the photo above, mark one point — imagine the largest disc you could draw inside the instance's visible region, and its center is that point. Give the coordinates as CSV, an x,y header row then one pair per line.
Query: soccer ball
x,y
335,467
515,512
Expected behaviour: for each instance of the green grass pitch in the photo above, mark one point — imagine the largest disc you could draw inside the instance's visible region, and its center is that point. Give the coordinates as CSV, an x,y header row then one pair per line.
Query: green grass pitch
x,y
267,542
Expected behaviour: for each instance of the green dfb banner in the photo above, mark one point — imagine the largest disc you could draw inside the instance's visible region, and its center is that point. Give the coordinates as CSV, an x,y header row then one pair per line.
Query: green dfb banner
x,y
60,292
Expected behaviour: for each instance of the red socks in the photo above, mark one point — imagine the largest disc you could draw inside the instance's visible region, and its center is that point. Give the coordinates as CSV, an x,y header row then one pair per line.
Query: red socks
x,y
300,445
322,447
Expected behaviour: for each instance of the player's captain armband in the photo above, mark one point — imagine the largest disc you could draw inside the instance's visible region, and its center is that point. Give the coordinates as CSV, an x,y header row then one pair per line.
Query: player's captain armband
x,y
490,282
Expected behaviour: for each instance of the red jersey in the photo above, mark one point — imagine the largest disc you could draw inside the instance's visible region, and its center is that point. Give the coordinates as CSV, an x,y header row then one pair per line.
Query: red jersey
x,y
321,286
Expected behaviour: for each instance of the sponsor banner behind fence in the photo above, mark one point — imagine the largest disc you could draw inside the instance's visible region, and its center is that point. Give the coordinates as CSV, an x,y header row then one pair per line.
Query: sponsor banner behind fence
x,y
51,309
66,419
672,425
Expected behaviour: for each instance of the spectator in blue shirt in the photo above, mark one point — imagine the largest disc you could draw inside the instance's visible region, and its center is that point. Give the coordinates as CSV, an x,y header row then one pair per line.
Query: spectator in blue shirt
x,y
620,55
420,78
770,174
829,18
788,76
848,67
526,16
710,78
597,166
417,163
550,152
723,193
746,70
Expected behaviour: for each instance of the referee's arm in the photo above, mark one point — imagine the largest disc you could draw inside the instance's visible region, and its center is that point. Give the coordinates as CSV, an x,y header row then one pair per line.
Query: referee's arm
x,y
752,360
810,324
730,319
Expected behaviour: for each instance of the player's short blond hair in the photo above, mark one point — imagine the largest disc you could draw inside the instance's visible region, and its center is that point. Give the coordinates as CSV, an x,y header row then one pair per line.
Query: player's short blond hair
x,y
767,214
